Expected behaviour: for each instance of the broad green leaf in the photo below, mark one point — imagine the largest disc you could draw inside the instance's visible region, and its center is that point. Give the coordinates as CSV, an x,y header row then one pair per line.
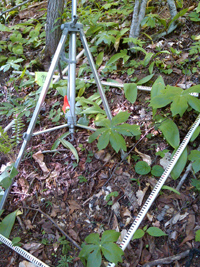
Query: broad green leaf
x,y
197,236
194,102
120,118
127,129
93,239
166,187
16,241
180,165
109,236
99,58
71,147
55,145
7,176
117,141
103,140
139,233
160,101
195,157
170,132
94,258
3,28
18,49
95,135
7,223
141,167
145,79
87,249
155,231
103,122
196,183
179,106
93,110
62,90
130,90
147,58
157,170
157,87
112,252
195,134
40,78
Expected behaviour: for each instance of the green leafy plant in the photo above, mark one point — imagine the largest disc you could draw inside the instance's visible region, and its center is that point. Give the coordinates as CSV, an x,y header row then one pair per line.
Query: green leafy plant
x,y
7,223
64,260
152,231
96,247
194,16
110,195
82,179
65,245
112,131
197,236
142,168
7,176
65,143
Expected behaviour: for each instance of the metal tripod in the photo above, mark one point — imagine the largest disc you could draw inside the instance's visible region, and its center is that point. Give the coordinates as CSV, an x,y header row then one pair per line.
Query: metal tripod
x,y
71,29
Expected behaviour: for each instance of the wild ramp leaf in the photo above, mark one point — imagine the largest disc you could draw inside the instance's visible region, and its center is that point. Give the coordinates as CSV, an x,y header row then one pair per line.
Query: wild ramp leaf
x,y
180,164
170,132
130,91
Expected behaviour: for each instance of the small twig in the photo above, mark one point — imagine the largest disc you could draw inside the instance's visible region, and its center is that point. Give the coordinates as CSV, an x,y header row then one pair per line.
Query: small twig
x,y
125,155
167,260
21,224
58,227
15,7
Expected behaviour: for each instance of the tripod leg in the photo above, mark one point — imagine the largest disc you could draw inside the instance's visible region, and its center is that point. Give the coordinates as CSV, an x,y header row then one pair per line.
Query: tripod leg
x,y
96,76
32,123
71,119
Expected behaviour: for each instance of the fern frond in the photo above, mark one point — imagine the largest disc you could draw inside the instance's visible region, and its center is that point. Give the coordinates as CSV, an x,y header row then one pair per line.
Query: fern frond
x,y
5,142
17,128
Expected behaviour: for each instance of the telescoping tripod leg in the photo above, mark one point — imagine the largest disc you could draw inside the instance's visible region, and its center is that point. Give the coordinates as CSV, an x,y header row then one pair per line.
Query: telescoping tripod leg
x,y
94,71
28,134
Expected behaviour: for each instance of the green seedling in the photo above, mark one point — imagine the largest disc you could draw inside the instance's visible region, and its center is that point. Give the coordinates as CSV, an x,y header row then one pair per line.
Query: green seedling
x,y
96,247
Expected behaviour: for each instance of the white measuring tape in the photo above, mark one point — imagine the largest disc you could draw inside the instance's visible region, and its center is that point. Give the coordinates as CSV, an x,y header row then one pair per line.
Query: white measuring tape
x,y
22,252
157,188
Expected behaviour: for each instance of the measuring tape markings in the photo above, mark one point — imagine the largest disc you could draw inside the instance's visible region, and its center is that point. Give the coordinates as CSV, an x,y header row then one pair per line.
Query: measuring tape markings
x,y
22,252
157,188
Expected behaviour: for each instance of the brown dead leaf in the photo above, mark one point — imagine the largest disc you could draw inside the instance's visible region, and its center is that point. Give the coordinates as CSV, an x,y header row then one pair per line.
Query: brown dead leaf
x,y
32,246
189,237
145,157
74,235
28,224
39,158
73,205
190,224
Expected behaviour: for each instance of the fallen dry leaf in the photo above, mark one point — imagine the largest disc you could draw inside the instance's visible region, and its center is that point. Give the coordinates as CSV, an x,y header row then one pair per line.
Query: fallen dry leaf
x,y
39,158
145,157
73,205
26,264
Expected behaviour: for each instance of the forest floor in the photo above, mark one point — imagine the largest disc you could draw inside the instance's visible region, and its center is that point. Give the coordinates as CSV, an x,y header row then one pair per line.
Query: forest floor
x,y
72,195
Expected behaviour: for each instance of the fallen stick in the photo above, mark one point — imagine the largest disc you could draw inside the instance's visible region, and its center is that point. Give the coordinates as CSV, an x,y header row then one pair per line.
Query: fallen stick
x,y
13,8
58,227
167,260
